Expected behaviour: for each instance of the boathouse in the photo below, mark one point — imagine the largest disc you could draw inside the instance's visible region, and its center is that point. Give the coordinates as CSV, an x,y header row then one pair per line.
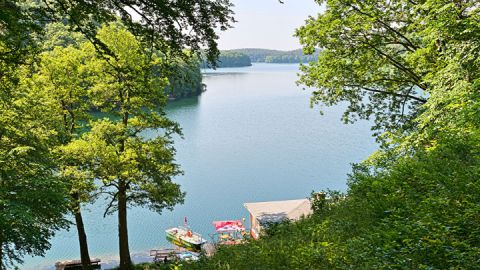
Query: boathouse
x,y
264,213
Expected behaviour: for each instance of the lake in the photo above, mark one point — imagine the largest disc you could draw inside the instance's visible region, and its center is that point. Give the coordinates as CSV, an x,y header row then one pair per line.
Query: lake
x,y
250,137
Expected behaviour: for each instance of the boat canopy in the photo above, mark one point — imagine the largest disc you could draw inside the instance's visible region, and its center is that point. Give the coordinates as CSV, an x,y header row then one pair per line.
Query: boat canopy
x,y
228,225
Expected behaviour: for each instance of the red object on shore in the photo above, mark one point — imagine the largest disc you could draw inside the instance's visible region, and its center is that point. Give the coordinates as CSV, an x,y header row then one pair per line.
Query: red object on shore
x,y
228,225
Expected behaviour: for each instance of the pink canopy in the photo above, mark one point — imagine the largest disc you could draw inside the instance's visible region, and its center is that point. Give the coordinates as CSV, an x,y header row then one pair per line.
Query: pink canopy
x,y
228,225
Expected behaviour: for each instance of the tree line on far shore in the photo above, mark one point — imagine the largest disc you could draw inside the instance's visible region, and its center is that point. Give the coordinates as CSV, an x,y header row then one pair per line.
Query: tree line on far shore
x,y
230,59
277,56
245,57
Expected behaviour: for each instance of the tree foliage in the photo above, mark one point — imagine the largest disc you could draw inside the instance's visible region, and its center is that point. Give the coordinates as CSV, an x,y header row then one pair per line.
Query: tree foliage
x,y
61,79
369,59
185,77
33,199
166,25
32,204
134,100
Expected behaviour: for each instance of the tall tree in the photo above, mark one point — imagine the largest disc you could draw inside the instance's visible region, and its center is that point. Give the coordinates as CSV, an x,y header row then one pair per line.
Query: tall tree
x,y
32,198
134,170
32,201
61,79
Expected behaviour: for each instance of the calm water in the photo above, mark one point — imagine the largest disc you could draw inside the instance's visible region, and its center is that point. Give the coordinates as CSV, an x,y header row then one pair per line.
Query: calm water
x,y
251,137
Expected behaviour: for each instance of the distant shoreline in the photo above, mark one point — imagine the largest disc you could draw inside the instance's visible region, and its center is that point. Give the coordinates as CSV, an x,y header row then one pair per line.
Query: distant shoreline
x,y
247,56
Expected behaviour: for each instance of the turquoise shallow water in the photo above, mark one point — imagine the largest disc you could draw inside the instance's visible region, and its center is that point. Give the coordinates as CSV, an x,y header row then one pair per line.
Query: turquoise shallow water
x,y
251,137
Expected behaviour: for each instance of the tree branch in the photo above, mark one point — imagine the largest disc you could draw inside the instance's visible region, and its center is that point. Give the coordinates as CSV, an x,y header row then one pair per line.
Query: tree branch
x,y
388,93
410,43
110,205
396,63
405,102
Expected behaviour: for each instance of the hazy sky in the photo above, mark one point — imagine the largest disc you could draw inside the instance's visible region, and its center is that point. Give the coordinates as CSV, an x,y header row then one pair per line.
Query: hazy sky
x,y
267,24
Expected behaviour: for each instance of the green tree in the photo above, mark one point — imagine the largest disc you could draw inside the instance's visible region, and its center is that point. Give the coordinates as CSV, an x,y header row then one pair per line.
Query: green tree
x,y
32,201
59,34
162,24
32,205
276,56
387,60
32,198
184,76
133,170
370,60
61,80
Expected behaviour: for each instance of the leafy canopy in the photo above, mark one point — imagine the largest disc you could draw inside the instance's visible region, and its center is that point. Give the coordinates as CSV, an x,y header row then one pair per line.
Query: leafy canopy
x,y
369,59
32,198
133,97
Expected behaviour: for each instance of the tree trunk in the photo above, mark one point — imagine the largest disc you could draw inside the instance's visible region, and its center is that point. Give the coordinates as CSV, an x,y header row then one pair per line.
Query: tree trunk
x,y
82,236
125,260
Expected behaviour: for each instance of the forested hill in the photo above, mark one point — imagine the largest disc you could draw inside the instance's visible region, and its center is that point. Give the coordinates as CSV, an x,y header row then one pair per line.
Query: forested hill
x,y
230,59
277,56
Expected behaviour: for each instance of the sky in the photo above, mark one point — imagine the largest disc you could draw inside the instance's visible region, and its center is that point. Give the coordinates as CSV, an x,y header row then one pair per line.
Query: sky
x,y
267,24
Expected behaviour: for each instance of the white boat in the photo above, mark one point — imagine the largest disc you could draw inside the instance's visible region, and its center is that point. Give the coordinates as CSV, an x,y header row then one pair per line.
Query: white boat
x,y
185,237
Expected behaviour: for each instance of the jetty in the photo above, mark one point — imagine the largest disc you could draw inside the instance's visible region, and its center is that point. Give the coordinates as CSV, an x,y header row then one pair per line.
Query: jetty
x,y
170,254
163,255
76,264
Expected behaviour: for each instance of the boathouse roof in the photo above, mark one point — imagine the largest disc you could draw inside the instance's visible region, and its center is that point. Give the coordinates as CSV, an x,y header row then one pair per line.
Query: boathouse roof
x,y
276,211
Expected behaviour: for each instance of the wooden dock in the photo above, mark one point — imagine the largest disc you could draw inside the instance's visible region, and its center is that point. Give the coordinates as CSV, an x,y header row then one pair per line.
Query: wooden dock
x,y
76,264
164,255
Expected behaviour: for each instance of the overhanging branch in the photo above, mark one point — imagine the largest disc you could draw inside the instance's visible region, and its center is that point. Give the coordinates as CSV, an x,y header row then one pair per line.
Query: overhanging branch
x,y
408,96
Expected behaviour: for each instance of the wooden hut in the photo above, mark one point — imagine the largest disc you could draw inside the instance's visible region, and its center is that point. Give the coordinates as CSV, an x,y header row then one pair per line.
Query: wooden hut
x,y
264,213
